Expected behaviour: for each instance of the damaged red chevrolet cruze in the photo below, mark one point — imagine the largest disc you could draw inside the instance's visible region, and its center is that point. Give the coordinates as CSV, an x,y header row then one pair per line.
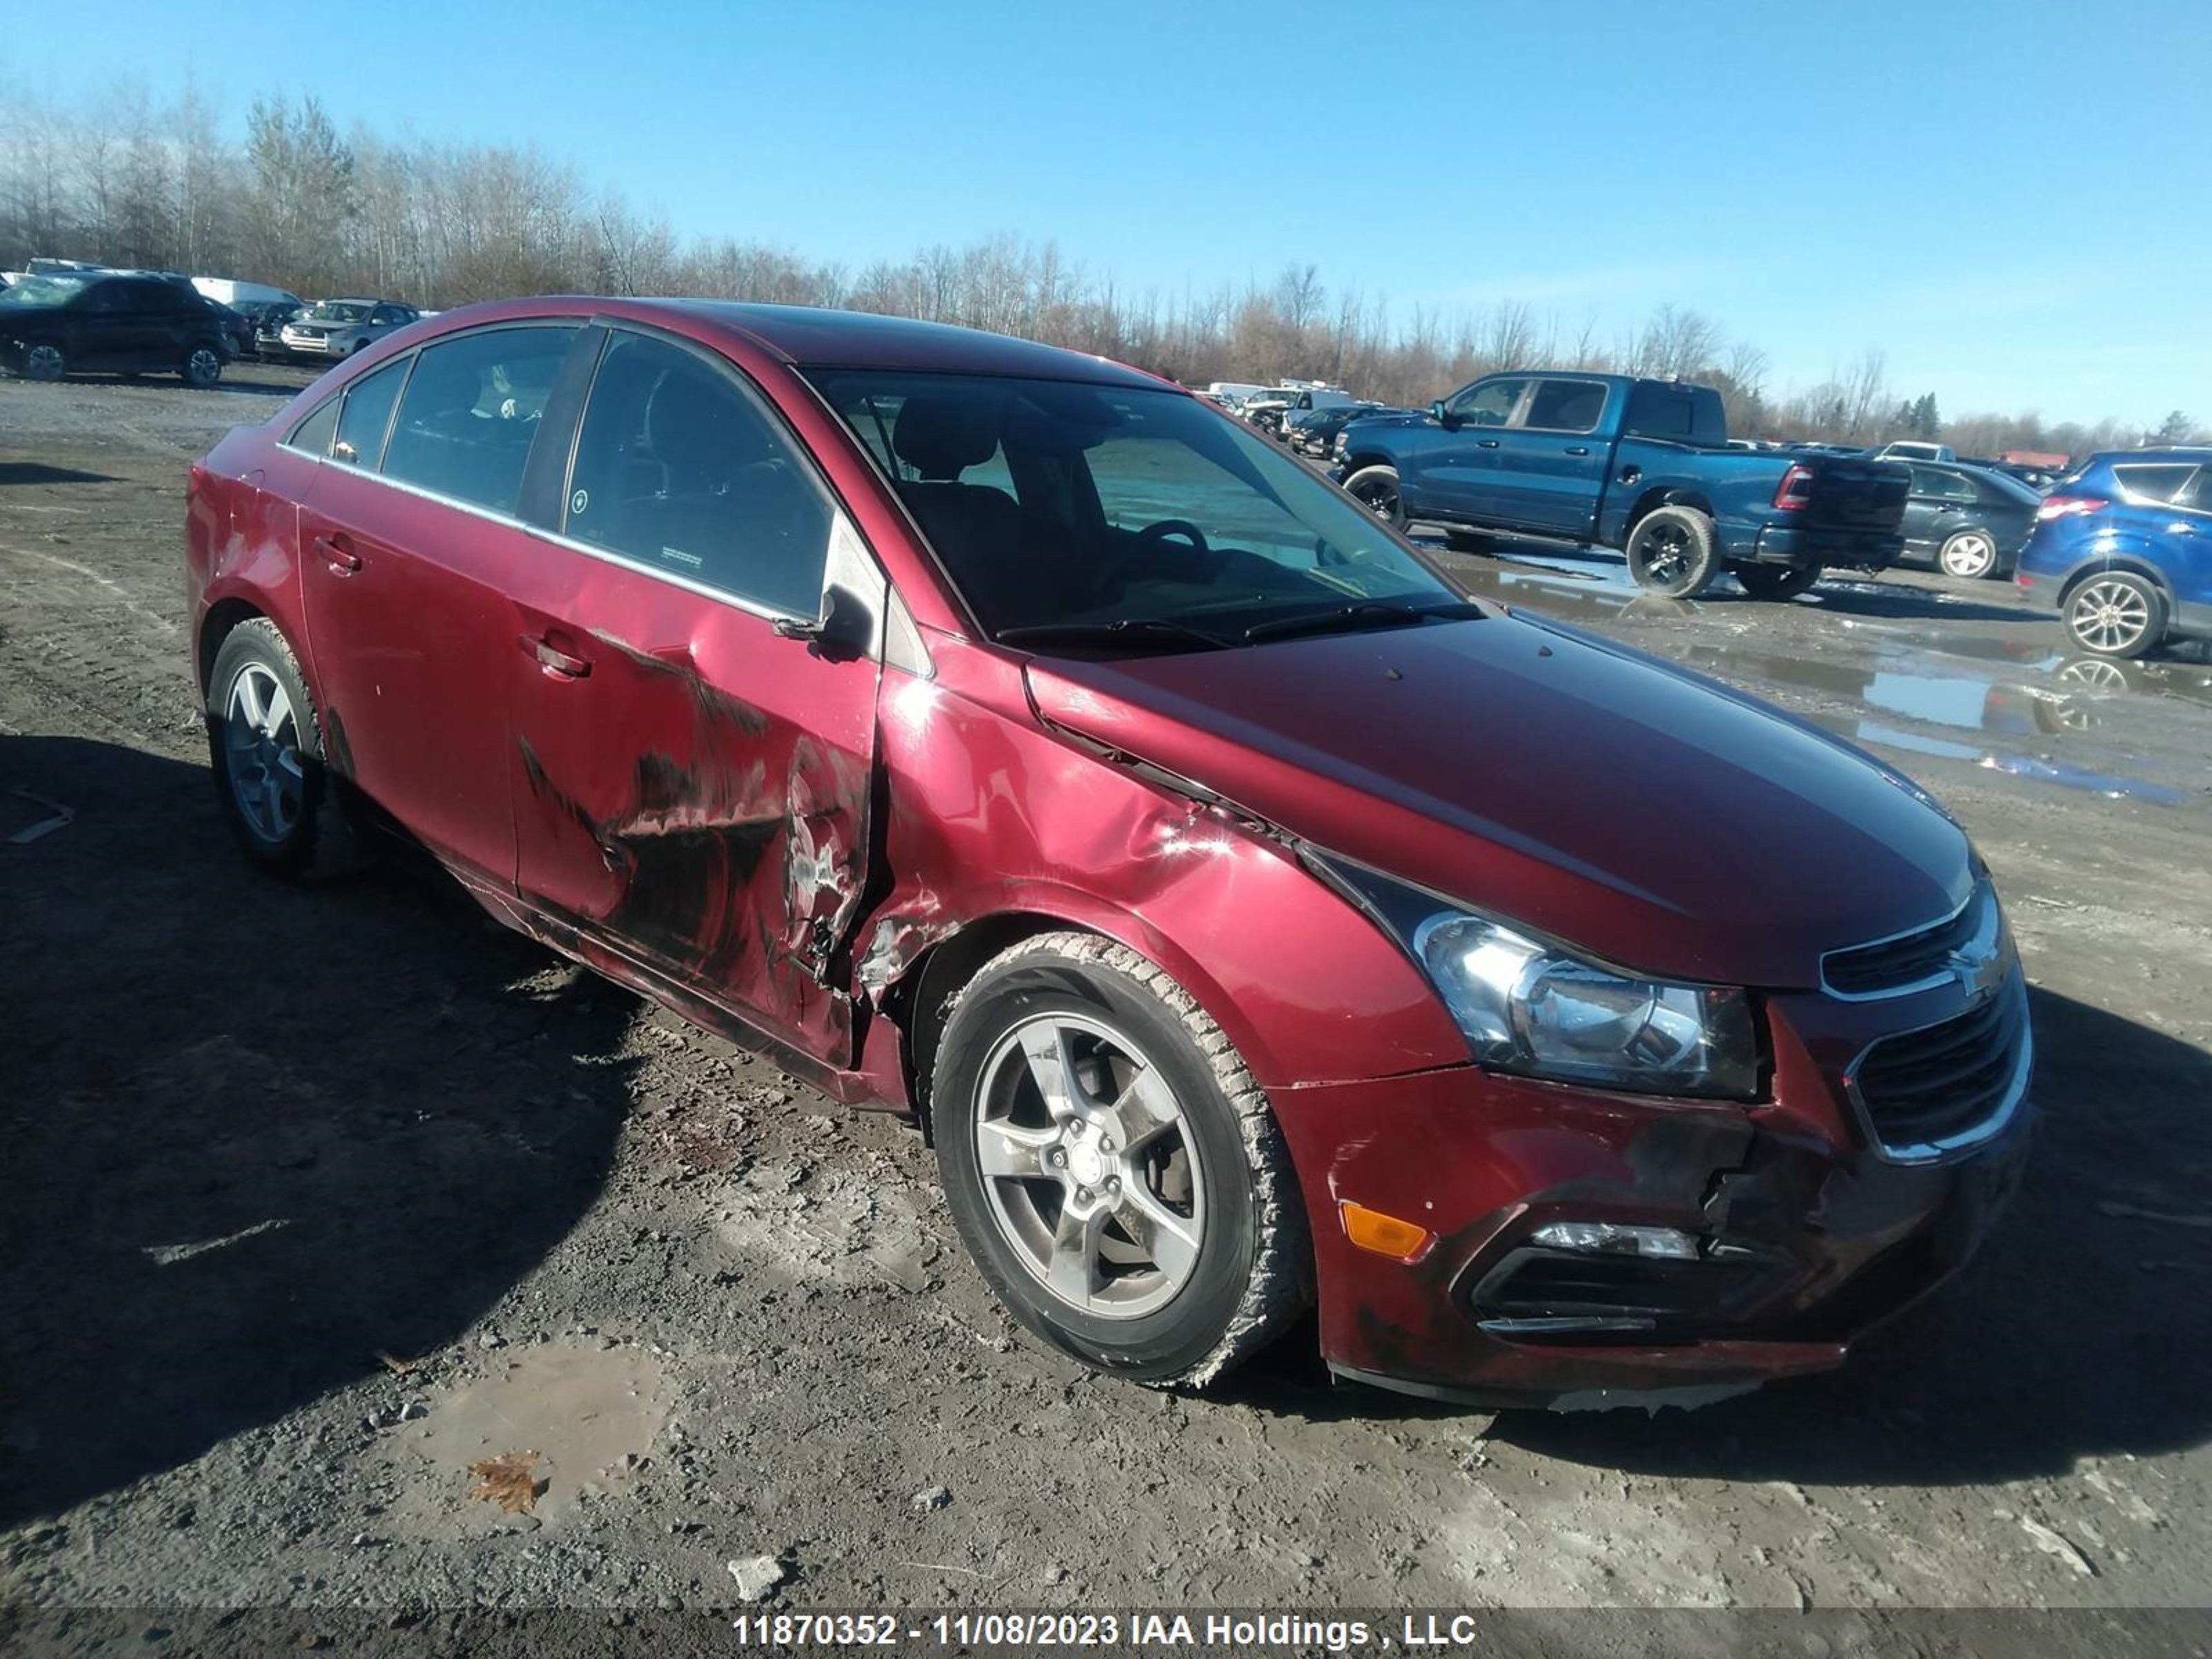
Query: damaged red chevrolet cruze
x,y
1007,737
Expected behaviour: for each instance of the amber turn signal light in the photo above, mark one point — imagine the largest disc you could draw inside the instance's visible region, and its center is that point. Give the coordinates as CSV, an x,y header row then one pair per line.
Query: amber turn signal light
x,y
1385,1235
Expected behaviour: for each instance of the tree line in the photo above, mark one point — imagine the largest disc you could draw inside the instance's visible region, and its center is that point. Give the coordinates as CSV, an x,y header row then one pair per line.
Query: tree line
x,y
129,179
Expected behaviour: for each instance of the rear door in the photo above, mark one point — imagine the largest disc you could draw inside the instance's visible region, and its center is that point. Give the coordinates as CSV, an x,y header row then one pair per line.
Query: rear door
x,y
1941,505
107,327
408,537
691,777
1462,466
1554,462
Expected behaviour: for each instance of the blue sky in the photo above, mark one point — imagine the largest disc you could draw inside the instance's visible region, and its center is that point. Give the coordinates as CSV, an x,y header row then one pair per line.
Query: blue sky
x,y
2011,199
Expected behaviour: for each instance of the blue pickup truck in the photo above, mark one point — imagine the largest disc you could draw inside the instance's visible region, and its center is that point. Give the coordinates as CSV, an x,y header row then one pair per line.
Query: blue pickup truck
x,y
1642,466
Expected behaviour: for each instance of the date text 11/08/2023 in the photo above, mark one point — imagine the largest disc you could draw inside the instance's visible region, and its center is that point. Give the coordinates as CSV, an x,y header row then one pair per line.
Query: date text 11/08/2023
x,y
1210,1630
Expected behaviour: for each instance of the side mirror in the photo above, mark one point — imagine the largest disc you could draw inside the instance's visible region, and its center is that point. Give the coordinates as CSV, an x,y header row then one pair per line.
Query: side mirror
x,y
1443,416
844,632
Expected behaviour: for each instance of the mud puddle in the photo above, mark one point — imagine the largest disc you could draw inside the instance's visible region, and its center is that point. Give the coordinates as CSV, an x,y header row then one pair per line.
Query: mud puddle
x,y
591,1415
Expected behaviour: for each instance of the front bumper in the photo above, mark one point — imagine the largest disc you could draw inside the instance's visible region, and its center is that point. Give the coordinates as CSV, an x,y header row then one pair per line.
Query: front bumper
x,y
1858,550
1809,1236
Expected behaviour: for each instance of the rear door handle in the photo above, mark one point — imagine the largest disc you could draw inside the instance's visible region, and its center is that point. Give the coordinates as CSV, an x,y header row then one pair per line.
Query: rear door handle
x,y
339,551
1578,449
1486,443
553,659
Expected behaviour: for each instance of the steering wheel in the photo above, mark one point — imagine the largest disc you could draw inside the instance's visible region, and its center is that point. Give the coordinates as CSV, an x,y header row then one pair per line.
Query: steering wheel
x,y
1183,527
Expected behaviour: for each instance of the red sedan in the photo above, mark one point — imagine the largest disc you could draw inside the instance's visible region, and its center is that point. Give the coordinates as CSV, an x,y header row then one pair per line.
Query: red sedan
x,y
1007,737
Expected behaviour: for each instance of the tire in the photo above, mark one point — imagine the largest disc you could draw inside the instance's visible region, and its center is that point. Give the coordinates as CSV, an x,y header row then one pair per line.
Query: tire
x,y
1777,582
1673,552
45,362
2116,613
288,815
1376,488
1127,1047
202,366
1970,555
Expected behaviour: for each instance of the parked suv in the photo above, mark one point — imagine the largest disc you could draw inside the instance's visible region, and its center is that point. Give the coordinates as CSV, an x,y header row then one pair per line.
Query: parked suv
x,y
1002,736
2123,548
338,328
1640,465
89,321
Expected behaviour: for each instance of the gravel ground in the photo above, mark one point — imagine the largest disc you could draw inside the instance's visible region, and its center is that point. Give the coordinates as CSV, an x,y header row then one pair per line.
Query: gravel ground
x,y
311,1198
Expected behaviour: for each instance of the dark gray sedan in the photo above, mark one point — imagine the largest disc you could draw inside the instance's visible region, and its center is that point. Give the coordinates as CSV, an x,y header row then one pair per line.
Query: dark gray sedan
x,y
1967,521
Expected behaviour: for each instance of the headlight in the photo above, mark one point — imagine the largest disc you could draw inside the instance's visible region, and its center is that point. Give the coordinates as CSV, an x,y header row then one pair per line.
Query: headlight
x,y
1537,1009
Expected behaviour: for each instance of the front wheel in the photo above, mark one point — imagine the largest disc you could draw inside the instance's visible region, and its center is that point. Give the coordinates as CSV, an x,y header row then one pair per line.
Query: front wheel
x,y
2118,613
1112,1167
1376,488
1673,552
202,367
1777,582
1970,555
46,363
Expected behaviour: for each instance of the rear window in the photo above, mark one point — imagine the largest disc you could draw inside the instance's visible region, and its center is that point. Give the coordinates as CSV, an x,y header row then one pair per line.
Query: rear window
x,y
1684,414
2160,483
470,411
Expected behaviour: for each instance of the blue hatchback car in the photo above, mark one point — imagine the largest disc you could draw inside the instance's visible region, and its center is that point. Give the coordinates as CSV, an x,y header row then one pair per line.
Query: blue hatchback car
x,y
2123,547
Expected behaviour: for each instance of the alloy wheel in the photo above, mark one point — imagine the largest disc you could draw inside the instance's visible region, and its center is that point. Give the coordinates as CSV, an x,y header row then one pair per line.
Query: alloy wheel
x,y
44,362
1088,1169
1969,555
1380,497
261,751
2108,616
203,366
1668,553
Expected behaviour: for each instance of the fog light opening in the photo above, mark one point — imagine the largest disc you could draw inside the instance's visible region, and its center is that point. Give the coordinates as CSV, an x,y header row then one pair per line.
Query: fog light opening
x,y
1615,1239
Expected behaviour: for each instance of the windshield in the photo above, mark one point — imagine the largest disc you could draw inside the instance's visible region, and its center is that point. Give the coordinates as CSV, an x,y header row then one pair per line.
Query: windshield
x,y
1060,506
342,311
43,291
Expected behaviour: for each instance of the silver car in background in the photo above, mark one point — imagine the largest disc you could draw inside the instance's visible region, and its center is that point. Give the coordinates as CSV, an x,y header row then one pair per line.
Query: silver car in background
x,y
338,328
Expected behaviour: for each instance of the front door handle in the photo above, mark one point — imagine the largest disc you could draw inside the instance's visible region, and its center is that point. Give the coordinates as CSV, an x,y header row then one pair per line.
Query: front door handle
x,y
553,659
1578,449
338,551
1486,443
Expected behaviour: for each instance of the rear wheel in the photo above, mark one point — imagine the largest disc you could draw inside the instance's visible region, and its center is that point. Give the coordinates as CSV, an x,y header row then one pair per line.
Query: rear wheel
x,y
1376,488
1112,1167
1777,582
202,367
266,746
1970,555
2119,614
1671,552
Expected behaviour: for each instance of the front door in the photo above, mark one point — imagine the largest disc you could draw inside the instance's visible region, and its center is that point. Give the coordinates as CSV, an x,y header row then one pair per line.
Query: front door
x,y
407,545
1463,466
691,785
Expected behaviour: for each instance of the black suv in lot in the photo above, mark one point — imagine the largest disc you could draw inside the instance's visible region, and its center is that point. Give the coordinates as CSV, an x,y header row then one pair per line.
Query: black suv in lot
x,y
91,321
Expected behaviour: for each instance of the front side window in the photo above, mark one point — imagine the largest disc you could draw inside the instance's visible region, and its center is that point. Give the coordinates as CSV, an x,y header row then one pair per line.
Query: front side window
x,y
1489,403
1122,519
470,411
681,468
367,414
2196,494
1566,405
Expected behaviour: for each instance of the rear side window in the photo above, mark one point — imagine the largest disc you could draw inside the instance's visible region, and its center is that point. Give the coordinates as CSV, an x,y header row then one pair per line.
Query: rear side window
x,y
680,468
366,415
1943,486
470,410
2153,482
313,434
1566,405
1684,414
2198,495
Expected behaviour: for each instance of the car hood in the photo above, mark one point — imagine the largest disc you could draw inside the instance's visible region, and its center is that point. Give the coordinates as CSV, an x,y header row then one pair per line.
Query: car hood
x,y
1642,814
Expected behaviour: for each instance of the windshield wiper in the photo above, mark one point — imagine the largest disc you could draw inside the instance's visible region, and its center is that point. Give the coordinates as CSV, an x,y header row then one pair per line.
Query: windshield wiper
x,y
1128,631
1367,613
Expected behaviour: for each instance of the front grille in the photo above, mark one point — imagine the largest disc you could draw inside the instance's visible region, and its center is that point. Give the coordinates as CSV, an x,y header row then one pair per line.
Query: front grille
x,y
1933,1090
1890,966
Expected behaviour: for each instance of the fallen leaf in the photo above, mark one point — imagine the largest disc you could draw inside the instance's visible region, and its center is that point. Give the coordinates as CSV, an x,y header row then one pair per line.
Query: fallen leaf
x,y
397,1367
507,1482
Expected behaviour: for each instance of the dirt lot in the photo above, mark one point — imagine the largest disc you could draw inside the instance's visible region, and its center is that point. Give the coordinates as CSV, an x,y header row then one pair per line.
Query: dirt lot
x,y
312,1198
